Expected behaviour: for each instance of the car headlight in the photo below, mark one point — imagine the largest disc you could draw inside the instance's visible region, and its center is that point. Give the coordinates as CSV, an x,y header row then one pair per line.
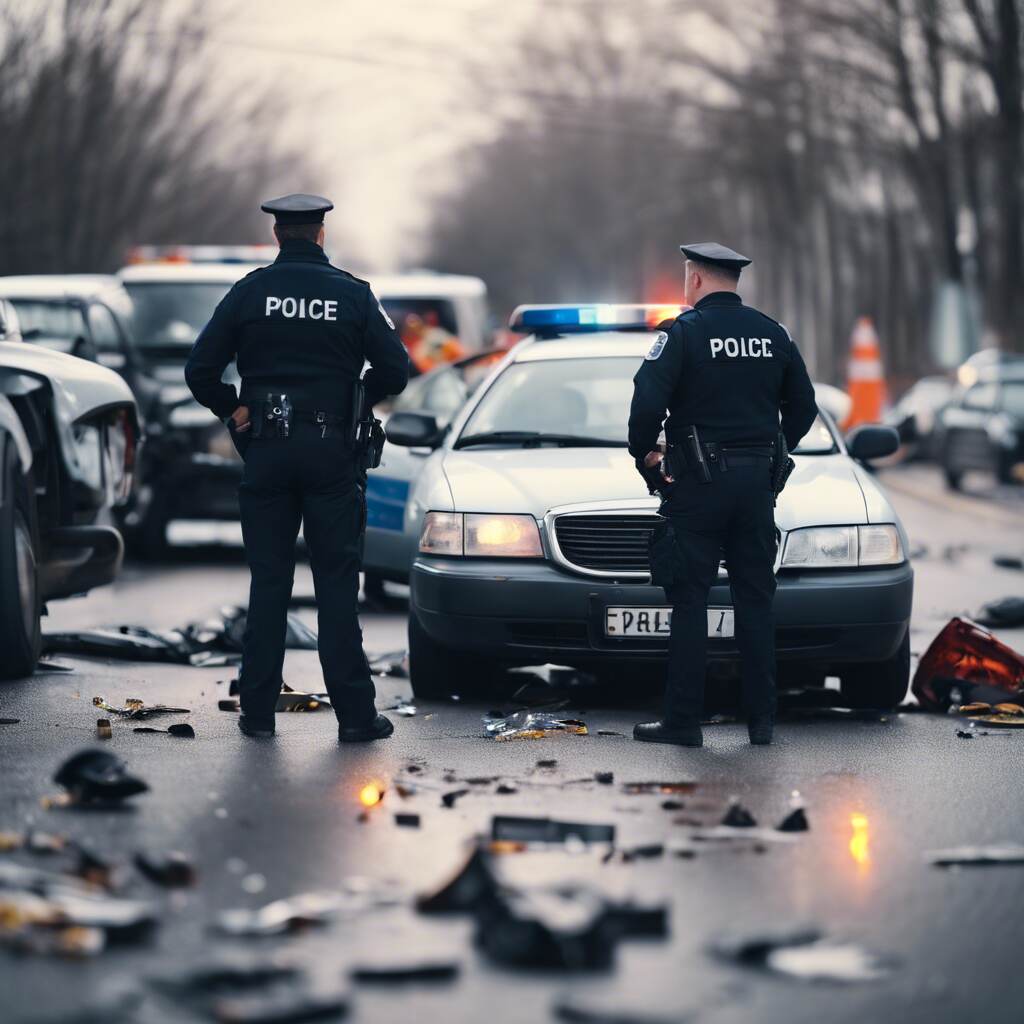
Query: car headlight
x,y
833,547
479,535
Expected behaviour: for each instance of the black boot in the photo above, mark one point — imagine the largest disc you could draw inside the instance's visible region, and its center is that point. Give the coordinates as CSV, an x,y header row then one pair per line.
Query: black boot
x,y
255,727
681,734
760,728
378,728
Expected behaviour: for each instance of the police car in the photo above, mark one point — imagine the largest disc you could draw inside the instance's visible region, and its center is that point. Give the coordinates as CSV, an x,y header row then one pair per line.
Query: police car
x,y
533,548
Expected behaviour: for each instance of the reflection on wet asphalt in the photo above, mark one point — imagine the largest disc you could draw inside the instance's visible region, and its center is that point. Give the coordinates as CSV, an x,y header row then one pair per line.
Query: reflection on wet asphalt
x,y
295,812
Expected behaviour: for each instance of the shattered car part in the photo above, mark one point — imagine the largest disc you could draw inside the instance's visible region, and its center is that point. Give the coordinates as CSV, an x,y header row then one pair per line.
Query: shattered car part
x,y
531,725
965,664
94,776
180,729
103,729
977,856
173,870
390,974
548,830
737,816
135,708
471,887
282,916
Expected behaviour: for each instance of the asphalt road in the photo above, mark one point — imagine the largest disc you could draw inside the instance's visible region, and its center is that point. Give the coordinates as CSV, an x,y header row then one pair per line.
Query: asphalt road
x,y
268,819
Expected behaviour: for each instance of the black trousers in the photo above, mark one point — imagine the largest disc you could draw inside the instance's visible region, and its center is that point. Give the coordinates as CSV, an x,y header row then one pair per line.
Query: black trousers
x,y
309,479
731,515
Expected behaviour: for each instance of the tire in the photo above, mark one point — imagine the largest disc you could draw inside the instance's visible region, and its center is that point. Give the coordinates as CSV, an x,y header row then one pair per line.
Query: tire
x,y
436,672
953,477
20,605
878,684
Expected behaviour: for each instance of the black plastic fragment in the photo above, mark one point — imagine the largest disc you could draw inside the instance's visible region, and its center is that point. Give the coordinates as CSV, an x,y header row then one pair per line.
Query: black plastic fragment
x,y
795,821
448,799
605,778
391,974
473,886
173,870
407,820
93,776
737,816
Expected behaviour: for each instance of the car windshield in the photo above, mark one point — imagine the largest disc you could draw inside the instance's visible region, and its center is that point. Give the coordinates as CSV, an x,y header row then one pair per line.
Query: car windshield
x,y
173,312
50,321
582,398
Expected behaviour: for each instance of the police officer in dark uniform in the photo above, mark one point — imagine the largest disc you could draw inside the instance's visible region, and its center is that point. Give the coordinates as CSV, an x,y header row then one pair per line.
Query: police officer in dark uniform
x,y
301,331
730,378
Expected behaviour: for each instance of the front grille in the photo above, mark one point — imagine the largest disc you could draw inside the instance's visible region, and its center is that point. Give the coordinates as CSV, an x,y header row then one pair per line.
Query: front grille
x,y
605,542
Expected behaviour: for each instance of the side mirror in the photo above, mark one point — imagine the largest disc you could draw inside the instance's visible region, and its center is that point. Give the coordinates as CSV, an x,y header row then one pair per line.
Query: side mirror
x,y
872,441
413,430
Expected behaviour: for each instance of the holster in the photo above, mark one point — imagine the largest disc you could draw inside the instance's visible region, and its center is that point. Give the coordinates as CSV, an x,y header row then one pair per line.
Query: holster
x,y
271,417
782,466
664,556
689,457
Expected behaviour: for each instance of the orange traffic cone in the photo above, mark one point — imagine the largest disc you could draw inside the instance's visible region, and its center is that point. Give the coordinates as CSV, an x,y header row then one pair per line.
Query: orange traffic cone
x,y
865,379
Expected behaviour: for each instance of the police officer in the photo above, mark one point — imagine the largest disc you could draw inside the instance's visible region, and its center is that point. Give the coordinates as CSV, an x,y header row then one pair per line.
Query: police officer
x,y
301,331
726,374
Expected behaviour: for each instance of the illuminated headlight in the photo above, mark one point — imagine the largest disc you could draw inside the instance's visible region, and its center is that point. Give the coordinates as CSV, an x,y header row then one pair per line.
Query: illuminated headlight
x,y
833,547
479,535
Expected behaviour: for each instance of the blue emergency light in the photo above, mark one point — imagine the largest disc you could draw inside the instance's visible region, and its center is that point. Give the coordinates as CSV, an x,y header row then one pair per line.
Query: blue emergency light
x,y
553,320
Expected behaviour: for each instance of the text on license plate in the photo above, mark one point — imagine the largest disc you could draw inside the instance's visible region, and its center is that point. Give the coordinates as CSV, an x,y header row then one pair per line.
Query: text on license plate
x,y
657,621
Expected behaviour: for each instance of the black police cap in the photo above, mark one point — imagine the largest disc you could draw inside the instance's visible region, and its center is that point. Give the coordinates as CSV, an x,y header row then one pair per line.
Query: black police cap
x,y
715,254
298,208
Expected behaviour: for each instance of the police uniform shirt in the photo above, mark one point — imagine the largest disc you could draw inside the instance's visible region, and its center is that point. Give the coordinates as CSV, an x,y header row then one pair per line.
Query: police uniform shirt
x,y
299,326
727,368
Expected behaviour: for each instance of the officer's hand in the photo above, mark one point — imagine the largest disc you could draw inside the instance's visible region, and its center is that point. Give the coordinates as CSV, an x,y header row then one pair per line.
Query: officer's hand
x,y
240,418
652,459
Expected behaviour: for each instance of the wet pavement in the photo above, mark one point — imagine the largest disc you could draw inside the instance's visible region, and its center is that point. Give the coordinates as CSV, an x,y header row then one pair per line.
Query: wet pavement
x,y
267,819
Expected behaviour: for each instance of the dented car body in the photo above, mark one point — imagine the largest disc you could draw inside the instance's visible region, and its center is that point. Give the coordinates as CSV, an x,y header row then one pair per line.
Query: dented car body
x,y
69,432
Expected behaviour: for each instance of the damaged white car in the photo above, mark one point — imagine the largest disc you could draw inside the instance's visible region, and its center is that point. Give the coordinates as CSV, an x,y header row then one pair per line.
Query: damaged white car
x,y
69,432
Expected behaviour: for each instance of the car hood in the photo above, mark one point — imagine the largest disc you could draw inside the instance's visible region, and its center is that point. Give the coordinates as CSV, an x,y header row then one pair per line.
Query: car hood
x,y
822,490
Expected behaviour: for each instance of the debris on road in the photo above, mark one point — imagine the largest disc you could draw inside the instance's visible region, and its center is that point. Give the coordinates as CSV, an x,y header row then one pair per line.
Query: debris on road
x,y
407,820
796,820
663,788
1006,612
604,778
548,830
173,870
963,734
180,729
530,725
504,789
97,777
1008,561
211,642
10,721
103,730
399,973
977,856
393,663
135,708
966,664
472,886
282,916
289,1007
737,816
403,708
227,705
291,700
448,799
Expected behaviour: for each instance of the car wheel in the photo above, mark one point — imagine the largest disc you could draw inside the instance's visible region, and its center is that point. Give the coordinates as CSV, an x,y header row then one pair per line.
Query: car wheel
x,y
20,636
877,684
436,672
953,478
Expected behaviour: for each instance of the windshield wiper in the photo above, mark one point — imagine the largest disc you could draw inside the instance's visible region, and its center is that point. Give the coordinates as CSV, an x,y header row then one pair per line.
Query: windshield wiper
x,y
535,438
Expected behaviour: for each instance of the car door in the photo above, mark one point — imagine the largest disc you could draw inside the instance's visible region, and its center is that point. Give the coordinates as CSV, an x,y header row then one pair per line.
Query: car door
x,y
967,444
109,344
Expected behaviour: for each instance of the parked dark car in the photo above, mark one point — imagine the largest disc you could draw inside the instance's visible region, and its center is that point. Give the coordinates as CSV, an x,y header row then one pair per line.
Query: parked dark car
x,y
983,428
914,415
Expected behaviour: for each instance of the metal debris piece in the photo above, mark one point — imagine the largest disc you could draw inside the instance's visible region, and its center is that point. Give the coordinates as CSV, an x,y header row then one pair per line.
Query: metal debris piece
x,y
406,820
977,856
966,664
103,730
448,799
531,725
398,973
135,708
227,705
471,887
282,916
737,816
97,776
173,870
548,830
604,778
288,1007
548,928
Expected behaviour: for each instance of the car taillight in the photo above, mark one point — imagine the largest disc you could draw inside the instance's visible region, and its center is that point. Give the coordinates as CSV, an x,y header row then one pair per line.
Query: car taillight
x,y
122,445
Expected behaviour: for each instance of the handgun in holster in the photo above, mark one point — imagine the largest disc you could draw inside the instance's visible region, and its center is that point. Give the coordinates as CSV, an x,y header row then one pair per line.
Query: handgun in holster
x,y
368,431
782,466
689,457
273,417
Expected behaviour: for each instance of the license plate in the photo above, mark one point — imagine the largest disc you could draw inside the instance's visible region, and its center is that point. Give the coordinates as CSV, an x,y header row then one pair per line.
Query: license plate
x,y
657,621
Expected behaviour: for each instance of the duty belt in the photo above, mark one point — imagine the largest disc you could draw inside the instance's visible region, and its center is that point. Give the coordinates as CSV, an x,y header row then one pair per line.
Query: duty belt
x,y
274,415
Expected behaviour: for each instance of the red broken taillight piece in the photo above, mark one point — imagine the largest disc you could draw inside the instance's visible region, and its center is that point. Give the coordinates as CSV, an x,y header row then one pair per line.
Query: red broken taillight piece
x,y
967,663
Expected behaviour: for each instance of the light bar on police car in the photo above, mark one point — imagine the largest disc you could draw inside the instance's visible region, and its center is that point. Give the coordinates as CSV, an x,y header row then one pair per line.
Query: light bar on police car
x,y
580,319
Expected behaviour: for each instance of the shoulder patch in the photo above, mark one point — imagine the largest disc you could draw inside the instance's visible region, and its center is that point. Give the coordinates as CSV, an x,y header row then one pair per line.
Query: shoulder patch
x,y
658,347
